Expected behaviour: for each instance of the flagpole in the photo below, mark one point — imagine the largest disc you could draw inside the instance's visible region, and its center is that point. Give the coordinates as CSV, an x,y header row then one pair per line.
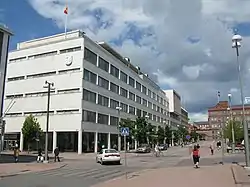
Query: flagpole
x,y
65,26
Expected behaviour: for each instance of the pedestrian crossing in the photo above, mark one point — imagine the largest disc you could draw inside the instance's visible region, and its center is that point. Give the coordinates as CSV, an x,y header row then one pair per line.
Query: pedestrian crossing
x,y
100,173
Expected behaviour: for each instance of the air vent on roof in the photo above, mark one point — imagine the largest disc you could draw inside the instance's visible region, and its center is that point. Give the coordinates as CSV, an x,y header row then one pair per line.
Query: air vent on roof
x,y
138,68
126,58
146,75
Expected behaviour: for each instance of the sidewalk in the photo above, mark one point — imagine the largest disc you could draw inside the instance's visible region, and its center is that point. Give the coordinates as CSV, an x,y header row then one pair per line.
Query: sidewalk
x,y
216,176
12,169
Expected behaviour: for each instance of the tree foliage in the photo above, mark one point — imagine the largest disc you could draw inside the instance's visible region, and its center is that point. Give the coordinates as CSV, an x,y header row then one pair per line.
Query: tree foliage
x,y
31,129
238,131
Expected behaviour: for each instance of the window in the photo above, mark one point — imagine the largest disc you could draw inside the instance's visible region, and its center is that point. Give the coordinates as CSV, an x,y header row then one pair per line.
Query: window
x,y
123,92
114,121
154,96
154,107
113,103
158,109
114,71
164,102
103,64
158,119
70,50
149,105
138,99
73,70
41,55
162,110
149,93
15,78
90,56
66,91
123,77
124,107
158,98
103,83
150,116
144,90
103,119
144,102
102,100
89,76
41,74
161,101
131,82
89,116
154,117
144,113
131,110
138,86
131,96
114,88
89,96
138,112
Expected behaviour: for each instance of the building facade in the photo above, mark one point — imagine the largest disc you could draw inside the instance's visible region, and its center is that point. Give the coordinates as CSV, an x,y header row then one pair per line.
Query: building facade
x,y
90,81
184,117
174,108
220,113
204,129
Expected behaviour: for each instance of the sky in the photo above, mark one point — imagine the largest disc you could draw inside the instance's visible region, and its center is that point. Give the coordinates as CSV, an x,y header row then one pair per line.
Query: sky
x,y
182,45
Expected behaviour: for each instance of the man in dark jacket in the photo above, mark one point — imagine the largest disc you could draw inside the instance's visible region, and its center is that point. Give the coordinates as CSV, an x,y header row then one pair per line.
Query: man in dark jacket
x,y
56,152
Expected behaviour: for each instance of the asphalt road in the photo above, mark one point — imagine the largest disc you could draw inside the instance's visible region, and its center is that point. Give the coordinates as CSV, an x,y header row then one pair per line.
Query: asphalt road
x,y
87,173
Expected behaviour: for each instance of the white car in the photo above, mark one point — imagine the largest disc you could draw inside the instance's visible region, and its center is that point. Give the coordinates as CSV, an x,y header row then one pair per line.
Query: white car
x,y
108,156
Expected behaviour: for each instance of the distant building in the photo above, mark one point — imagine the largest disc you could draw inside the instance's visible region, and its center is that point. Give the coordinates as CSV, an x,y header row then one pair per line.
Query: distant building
x,y
204,129
184,117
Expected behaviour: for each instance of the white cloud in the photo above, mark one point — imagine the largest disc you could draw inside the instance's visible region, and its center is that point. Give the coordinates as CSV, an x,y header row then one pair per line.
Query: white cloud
x,y
197,70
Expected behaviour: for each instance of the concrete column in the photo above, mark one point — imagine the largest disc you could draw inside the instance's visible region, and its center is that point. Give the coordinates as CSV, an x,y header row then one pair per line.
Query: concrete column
x,y
80,142
87,141
136,144
21,142
96,142
109,143
119,142
54,140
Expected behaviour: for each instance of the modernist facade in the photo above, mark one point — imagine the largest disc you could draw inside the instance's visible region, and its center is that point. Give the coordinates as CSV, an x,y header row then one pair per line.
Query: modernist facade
x,y
90,81
184,117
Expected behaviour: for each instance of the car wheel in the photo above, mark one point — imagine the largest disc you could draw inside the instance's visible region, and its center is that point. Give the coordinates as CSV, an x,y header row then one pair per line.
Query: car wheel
x,y
96,160
102,163
118,162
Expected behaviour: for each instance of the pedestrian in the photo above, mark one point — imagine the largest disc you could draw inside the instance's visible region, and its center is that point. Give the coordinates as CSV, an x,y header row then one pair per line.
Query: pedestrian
x,y
16,154
212,149
56,152
198,146
196,156
39,155
156,150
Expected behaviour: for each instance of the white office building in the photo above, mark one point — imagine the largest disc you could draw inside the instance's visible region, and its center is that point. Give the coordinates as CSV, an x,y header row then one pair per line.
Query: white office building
x,y
90,81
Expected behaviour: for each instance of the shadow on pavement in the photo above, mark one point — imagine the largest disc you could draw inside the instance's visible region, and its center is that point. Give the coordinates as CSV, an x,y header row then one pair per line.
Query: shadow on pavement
x,y
8,158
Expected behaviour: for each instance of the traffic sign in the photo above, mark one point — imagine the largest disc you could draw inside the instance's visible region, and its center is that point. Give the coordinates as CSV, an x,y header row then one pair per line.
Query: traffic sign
x,y
247,100
188,137
125,131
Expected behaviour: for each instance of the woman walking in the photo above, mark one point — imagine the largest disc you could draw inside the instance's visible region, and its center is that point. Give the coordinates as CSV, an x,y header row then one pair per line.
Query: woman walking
x,y
196,157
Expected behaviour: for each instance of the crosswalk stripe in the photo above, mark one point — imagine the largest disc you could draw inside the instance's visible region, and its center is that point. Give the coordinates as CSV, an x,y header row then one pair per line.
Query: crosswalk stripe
x,y
106,174
55,172
82,173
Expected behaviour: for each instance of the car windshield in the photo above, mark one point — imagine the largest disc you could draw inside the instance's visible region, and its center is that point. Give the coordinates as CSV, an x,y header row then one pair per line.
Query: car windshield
x,y
161,145
110,151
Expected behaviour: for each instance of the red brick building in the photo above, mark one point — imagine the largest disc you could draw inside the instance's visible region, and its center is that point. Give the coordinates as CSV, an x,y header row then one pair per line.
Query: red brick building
x,y
204,129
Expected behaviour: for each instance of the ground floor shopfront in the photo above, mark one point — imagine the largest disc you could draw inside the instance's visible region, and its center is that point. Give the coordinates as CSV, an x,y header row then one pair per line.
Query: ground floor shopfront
x,y
81,142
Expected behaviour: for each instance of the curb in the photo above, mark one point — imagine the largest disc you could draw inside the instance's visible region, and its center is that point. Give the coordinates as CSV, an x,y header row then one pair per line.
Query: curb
x,y
29,171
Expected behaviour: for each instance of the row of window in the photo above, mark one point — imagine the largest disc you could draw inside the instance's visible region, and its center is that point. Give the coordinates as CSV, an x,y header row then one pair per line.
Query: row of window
x,y
111,103
110,68
37,75
104,83
42,55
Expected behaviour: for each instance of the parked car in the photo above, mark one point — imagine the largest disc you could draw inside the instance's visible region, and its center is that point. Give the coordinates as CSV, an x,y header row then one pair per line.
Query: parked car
x,y
143,148
108,156
163,147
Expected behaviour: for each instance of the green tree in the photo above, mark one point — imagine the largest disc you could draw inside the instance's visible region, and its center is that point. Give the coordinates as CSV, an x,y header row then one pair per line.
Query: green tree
x,y
181,134
131,125
238,131
194,135
168,134
161,134
31,130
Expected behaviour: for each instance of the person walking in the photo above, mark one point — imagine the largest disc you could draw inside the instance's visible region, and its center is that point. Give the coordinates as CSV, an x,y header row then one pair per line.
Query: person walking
x,y
196,157
16,154
39,155
212,149
56,152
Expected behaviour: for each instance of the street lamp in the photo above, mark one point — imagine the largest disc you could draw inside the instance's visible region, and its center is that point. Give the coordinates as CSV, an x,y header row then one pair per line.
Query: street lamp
x,y
231,119
49,86
236,44
118,108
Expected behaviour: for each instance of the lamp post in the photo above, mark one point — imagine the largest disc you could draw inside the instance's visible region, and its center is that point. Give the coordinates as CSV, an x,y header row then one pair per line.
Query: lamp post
x,y
118,108
236,44
49,86
231,120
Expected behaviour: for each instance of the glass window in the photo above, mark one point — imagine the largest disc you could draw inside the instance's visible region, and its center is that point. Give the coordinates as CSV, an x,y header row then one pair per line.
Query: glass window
x,y
102,100
144,102
131,110
161,101
149,93
158,109
103,119
154,107
158,119
154,96
89,116
150,116
162,110
114,71
164,102
138,99
144,113
149,105
124,107
114,88
123,76
103,64
103,82
89,96
90,56
144,90
131,82
138,86
154,117
131,96
114,121
138,112
158,98
123,92
89,76
113,103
